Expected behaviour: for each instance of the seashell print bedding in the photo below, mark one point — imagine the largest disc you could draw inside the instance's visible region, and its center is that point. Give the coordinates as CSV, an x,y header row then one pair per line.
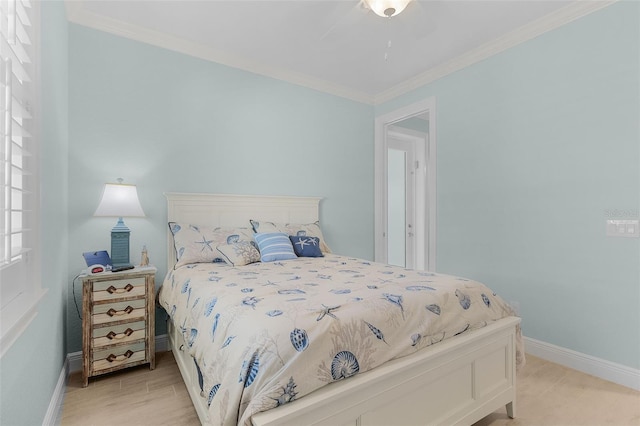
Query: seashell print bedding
x,y
266,334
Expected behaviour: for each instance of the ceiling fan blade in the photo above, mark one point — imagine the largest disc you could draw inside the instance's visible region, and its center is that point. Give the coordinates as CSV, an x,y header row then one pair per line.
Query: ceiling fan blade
x,y
340,22
421,19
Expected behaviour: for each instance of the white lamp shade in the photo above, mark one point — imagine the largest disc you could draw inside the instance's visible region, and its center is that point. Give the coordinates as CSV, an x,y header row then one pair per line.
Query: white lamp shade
x,y
387,8
119,200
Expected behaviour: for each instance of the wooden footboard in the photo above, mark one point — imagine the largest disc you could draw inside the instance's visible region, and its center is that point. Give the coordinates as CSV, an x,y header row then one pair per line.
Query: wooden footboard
x,y
458,381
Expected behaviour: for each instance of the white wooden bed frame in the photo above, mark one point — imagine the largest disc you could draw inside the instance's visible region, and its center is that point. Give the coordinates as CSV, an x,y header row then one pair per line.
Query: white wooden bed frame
x,y
459,381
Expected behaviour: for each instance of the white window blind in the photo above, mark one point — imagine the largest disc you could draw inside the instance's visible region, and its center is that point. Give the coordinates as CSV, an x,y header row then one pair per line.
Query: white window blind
x,y
19,276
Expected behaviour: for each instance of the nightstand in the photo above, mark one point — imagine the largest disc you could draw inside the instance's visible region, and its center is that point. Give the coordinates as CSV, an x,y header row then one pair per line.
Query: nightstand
x,y
118,321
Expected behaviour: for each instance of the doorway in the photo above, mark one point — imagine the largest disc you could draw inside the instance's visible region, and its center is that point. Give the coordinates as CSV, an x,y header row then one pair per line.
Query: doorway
x,y
405,215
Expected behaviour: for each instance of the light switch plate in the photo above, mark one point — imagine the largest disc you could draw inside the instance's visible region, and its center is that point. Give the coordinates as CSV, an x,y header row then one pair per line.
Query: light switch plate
x,y
629,228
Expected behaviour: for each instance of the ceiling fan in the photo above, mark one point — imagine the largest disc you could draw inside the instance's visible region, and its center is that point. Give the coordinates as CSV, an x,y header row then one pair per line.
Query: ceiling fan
x,y
386,8
414,21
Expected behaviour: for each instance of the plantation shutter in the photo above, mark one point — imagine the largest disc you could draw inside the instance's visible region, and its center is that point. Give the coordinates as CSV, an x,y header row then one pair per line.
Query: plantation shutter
x,y
19,280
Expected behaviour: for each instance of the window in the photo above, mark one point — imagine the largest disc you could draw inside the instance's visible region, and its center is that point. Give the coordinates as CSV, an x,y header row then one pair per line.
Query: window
x,y
19,271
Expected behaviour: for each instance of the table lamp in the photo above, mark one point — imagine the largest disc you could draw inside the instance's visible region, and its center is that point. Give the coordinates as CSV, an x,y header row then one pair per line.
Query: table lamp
x,y
119,200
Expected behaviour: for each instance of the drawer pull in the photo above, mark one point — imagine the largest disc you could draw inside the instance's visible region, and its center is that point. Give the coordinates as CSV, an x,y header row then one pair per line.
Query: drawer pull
x,y
126,289
112,312
112,335
125,356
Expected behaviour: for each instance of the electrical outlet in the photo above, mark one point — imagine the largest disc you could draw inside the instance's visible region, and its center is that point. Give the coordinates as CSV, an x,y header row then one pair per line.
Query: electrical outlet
x,y
629,228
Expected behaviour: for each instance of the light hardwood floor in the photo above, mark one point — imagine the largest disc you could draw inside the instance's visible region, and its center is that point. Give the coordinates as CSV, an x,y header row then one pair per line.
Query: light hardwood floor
x,y
548,394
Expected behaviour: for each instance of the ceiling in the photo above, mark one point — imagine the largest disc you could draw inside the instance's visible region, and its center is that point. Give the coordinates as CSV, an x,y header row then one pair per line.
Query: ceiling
x,y
336,46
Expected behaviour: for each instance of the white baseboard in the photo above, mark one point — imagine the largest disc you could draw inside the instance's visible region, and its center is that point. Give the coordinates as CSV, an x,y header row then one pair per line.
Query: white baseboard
x,y
75,361
53,414
162,343
607,370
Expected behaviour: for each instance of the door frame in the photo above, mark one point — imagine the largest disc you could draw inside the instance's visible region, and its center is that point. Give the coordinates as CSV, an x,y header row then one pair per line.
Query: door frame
x,y
382,125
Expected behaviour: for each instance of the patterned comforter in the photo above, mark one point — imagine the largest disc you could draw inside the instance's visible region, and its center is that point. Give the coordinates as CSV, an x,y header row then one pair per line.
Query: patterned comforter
x,y
268,333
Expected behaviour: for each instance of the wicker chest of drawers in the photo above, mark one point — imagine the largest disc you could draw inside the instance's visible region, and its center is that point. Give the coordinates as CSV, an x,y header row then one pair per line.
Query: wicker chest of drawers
x,y
118,321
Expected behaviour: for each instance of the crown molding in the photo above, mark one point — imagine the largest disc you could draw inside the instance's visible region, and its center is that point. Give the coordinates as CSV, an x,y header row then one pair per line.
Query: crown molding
x,y
78,14
549,22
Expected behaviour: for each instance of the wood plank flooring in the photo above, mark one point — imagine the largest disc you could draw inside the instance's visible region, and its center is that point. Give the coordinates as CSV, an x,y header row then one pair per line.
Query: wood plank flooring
x,y
548,394
134,396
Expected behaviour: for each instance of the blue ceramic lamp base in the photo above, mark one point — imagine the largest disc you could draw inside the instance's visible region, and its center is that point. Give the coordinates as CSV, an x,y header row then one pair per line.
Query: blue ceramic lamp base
x,y
120,244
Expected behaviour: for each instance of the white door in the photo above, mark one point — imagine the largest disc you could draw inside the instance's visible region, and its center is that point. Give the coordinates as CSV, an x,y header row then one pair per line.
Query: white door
x,y
401,179
406,198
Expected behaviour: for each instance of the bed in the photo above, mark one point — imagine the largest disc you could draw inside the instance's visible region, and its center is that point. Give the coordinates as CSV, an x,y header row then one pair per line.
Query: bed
x,y
326,365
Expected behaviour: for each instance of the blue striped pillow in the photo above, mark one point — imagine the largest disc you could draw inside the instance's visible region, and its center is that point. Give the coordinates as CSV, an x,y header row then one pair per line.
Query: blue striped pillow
x,y
274,246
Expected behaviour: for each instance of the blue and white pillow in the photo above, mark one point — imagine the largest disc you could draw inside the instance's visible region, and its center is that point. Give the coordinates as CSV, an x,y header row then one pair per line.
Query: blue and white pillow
x,y
298,229
274,246
198,243
306,246
240,253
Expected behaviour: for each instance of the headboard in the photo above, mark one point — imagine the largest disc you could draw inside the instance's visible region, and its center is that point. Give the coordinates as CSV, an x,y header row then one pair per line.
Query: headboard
x,y
228,210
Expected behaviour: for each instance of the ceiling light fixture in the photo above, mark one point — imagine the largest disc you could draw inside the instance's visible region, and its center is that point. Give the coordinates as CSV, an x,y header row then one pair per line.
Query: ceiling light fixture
x,y
387,8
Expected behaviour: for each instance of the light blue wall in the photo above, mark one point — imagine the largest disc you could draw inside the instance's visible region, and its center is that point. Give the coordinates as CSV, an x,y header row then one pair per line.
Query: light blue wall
x,y
30,369
170,122
536,147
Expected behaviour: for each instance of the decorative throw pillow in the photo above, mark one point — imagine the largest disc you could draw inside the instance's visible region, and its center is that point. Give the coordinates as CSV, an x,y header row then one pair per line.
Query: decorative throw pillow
x,y
240,253
274,246
306,246
198,244
295,229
